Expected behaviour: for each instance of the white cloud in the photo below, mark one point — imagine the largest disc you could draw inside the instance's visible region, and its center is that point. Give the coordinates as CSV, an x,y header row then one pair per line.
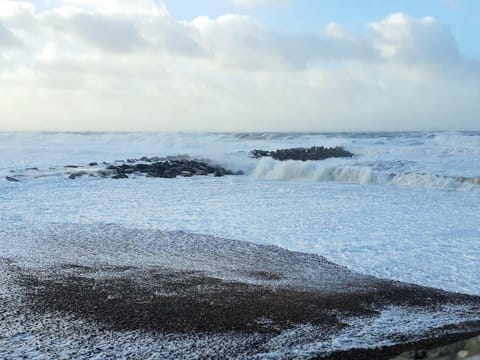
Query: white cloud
x,y
104,31
122,65
240,41
250,4
404,38
7,39
137,7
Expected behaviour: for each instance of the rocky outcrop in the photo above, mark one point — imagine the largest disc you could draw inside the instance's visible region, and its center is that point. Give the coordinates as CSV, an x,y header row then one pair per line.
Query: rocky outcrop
x,y
11,179
303,154
168,168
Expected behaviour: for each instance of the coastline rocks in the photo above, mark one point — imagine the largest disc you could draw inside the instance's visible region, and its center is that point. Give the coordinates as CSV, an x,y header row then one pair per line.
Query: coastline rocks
x,y
169,167
120,176
11,179
77,175
303,154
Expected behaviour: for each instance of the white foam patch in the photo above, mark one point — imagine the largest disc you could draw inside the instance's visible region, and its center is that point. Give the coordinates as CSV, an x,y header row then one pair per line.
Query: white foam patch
x,y
426,236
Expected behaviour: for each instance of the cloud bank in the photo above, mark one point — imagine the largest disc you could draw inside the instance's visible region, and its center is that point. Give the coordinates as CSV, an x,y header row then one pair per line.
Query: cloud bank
x,y
123,65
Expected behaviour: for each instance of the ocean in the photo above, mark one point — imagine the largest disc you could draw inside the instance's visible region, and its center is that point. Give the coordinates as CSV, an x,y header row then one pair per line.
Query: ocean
x,y
406,206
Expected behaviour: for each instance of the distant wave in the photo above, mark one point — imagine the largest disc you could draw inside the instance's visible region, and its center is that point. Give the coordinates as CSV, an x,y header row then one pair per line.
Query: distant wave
x,y
313,171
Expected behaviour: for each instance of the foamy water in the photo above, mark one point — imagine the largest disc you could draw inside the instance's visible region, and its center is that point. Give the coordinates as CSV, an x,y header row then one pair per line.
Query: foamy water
x,y
405,207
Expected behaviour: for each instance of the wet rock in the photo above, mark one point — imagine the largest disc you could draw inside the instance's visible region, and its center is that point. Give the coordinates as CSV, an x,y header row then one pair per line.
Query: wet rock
x,y
112,167
120,176
168,167
11,179
77,175
170,174
104,173
72,166
303,154
260,153
201,172
142,167
93,164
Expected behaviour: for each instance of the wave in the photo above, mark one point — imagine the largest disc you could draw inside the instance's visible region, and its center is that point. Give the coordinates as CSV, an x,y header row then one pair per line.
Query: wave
x,y
313,171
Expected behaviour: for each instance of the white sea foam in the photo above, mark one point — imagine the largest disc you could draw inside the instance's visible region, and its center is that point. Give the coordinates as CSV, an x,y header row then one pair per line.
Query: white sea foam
x,y
357,174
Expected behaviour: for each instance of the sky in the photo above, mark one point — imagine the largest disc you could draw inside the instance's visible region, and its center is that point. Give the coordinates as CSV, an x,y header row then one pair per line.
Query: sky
x,y
239,65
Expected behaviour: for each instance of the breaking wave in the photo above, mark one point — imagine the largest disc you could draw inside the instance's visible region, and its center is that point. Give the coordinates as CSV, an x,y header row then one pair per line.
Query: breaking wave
x,y
269,169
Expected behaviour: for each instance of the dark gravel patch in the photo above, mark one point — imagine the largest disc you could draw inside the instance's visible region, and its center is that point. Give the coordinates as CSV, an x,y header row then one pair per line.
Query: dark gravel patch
x,y
167,300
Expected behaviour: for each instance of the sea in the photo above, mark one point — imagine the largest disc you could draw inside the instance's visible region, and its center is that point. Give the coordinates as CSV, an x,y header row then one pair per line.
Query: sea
x,y
405,207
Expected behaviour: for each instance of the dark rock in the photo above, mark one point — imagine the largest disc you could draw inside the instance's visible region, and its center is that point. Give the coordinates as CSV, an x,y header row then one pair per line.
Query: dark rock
x,y
104,173
239,172
125,169
120,176
260,153
93,164
12,179
303,154
211,169
32,168
170,173
142,167
169,167
77,175
201,172
72,166
158,166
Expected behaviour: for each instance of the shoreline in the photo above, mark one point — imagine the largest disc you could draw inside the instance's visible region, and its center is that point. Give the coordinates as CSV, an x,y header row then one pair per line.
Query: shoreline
x,y
133,293
166,301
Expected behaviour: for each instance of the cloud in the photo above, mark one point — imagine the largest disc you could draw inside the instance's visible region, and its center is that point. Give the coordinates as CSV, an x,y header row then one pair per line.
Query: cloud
x,y
241,41
106,32
137,7
403,38
7,39
251,4
123,65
